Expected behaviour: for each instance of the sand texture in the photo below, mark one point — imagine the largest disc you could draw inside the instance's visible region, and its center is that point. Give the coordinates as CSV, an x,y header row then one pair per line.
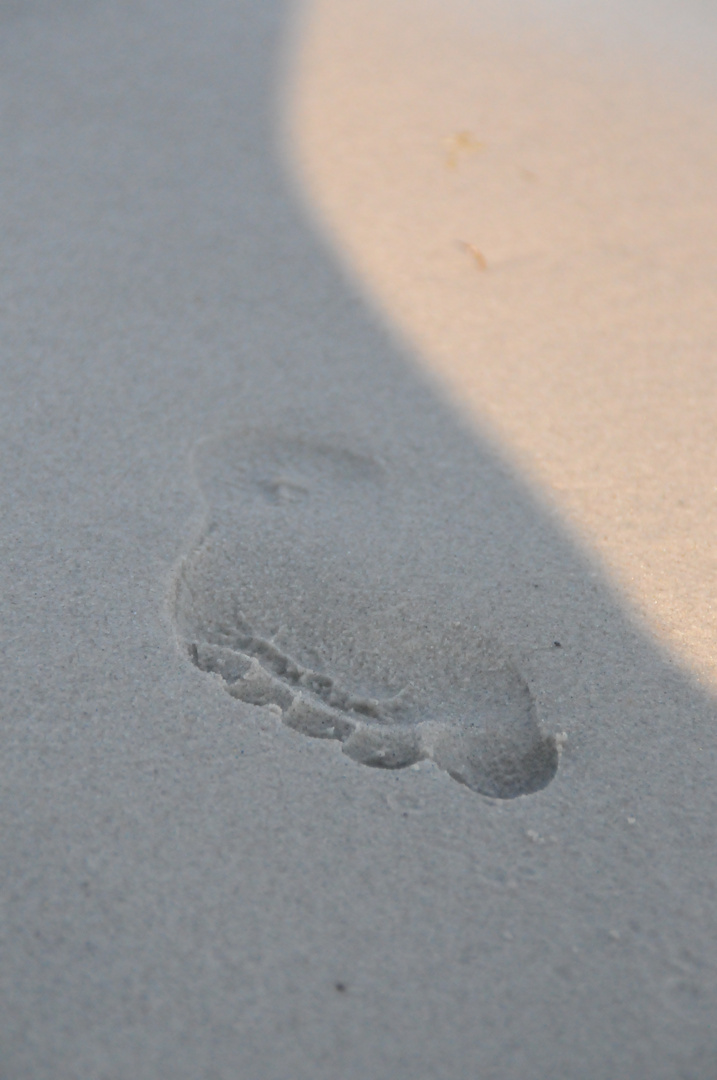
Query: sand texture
x,y
313,592
357,421
530,197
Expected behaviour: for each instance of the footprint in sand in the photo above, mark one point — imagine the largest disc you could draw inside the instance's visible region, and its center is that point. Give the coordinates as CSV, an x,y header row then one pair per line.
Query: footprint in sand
x,y
312,590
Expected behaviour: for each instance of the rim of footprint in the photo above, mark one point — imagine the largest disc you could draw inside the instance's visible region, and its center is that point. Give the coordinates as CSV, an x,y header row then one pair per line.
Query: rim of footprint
x,y
273,504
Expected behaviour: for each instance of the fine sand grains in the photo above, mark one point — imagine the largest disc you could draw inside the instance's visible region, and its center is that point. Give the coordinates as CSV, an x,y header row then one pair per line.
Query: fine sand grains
x,y
313,592
528,192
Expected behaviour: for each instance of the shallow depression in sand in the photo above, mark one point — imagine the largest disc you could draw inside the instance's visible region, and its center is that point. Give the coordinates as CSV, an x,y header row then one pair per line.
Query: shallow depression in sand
x,y
315,590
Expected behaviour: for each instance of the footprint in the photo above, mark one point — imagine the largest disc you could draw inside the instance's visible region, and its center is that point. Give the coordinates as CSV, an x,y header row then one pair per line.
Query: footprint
x,y
315,589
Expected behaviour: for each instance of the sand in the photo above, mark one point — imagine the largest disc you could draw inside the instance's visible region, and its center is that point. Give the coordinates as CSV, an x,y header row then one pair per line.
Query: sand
x,y
529,196
356,361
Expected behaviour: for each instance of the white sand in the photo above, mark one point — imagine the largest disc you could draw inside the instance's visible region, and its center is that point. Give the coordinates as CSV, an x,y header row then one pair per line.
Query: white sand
x,y
189,887
530,194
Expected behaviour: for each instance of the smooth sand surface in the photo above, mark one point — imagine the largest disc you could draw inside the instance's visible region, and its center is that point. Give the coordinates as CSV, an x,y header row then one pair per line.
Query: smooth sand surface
x,y
529,193
247,357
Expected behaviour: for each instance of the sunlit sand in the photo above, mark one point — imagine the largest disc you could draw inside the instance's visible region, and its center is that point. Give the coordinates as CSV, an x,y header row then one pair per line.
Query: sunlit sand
x,y
534,207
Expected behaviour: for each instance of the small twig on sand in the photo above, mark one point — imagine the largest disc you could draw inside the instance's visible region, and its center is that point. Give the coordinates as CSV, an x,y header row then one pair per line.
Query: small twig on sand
x,y
478,255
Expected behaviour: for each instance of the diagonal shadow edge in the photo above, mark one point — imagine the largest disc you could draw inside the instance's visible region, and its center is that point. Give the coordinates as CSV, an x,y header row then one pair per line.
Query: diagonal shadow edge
x,y
541,584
